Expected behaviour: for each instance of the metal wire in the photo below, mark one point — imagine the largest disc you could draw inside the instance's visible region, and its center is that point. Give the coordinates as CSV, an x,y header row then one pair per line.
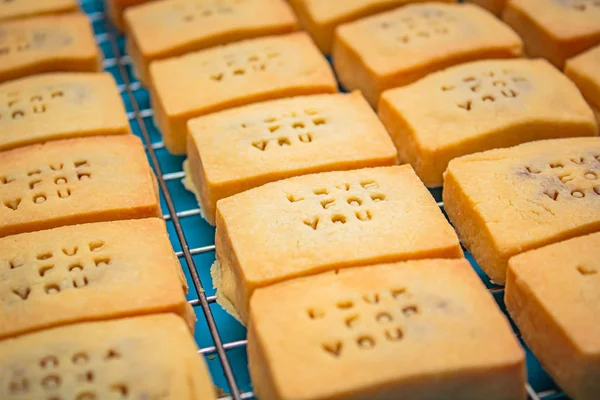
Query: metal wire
x,y
120,61
139,116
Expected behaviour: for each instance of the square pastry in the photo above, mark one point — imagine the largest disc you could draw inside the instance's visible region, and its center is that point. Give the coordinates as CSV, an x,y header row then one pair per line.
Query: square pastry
x,y
480,106
494,6
88,272
169,28
60,105
24,9
401,46
555,29
320,18
553,295
507,201
423,329
238,149
150,357
314,223
53,43
74,181
234,75
584,70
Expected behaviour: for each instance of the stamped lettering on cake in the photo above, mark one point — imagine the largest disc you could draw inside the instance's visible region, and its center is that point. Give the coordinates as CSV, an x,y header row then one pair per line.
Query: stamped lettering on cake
x,y
53,271
576,176
287,129
496,86
417,27
197,12
371,318
341,204
53,182
19,105
20,41
54,370
243,64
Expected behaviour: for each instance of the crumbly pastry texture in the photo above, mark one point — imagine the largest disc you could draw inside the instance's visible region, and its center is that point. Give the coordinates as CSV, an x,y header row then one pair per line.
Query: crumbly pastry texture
x,y
169,28
406,330
398,47
507,201
88,272
553,295
480,106
72,181
233,75
320,222
54,106
584,70
245,147
53,43
142,357
555,29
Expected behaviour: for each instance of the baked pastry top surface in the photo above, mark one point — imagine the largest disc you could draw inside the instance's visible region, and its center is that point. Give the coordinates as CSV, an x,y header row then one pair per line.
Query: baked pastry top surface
x,y
389,328
60,105
142,357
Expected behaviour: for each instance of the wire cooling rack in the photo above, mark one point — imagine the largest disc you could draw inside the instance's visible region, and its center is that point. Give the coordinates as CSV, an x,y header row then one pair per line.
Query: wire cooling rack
x,y
220,338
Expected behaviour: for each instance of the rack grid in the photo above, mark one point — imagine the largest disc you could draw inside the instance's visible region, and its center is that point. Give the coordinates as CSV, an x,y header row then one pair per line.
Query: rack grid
x,y
220,338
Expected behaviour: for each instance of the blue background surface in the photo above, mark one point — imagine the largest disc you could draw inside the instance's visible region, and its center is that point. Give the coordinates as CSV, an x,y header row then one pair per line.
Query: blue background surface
x,y
200,235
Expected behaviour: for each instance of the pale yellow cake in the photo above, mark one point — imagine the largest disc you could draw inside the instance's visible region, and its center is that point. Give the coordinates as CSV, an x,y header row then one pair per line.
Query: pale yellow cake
x,y
398,47
13,9
555,29
415,330
54,106
151,357
553,295
169,28
315,223
584,70
480,106
233,75
238,149
73,181
507,201
320,18
494,6
88,272
54,43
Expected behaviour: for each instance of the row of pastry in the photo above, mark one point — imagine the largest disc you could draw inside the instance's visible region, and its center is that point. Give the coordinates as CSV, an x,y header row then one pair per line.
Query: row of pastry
x,y
92,296
331,208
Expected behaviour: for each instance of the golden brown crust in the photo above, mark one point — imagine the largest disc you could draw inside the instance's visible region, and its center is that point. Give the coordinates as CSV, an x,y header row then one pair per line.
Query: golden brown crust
x,y
27,9
53,277
553,295
415,329
72,181
321,18
169,28
54,106
233,75
507,201
555,30
151,356
313,223
54,43
480,106
398,47
584,70
245,147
